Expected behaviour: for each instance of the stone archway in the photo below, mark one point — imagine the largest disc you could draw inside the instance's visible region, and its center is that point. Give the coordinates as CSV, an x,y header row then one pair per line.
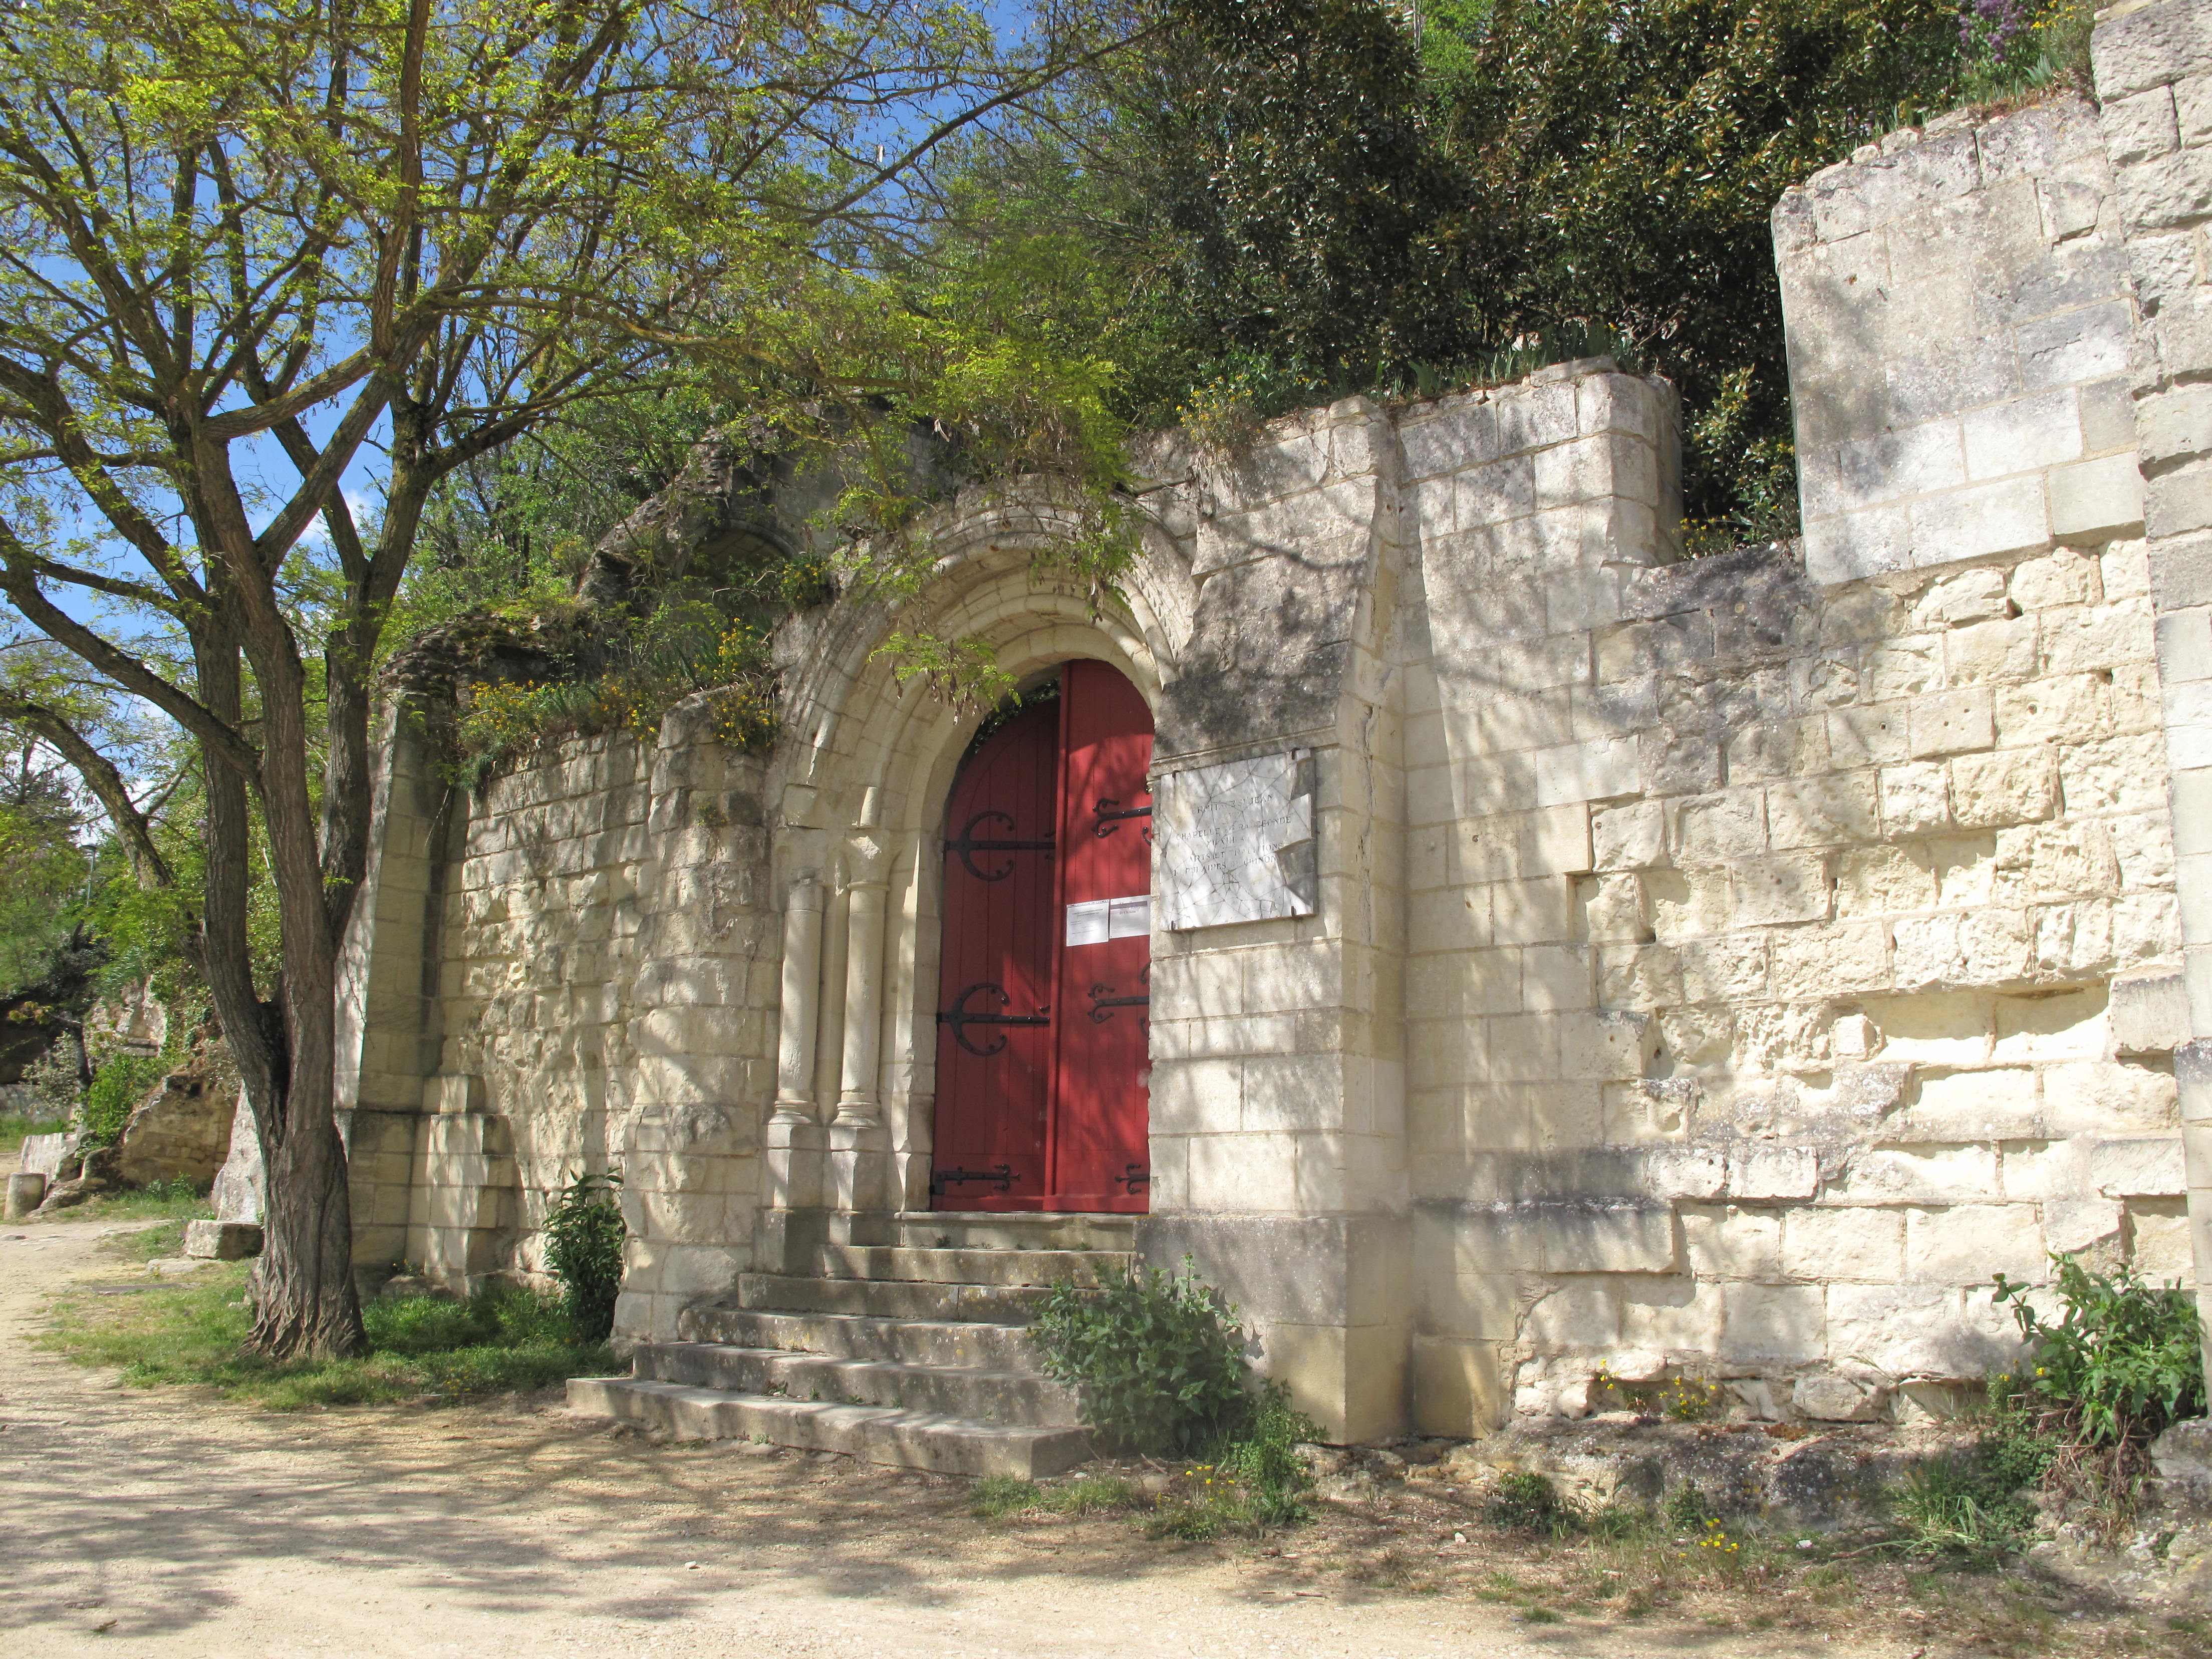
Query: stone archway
x,y
860,791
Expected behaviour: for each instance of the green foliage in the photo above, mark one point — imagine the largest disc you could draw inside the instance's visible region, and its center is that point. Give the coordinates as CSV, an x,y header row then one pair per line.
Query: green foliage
x,y
2124,1358
1159,1358
1527,1502
2012,46
584,1235
1965,1506
648,669
2016,1445
803,583
1625,156
508,533
1160,1363
1316,206
195,1335
1726,441
118,1087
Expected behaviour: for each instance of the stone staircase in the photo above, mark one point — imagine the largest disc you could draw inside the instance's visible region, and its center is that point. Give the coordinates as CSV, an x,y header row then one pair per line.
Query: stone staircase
x,y
913,1354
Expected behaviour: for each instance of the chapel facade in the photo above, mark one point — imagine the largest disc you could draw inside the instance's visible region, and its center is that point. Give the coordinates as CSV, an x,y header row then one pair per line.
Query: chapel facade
x,y
1496,951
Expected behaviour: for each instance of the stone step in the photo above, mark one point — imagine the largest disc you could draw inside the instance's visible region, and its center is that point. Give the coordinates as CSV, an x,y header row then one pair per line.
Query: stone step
x,y
859,1336
880,1434
1000,1304
969,1266
958,1230
967,1391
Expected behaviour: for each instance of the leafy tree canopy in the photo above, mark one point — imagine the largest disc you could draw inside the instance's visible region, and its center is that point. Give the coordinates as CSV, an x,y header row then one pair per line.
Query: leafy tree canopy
x,y
255,254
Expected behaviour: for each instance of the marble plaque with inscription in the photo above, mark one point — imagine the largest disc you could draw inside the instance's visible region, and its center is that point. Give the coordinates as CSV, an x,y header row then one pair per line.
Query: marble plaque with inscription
x,y
1236,841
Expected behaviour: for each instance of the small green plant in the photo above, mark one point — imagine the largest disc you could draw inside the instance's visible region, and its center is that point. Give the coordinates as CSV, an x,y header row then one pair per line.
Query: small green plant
x,y
1691,1399
1159,1358
1527,1502
1688,1509
1263,1457
804,581
116,1088
1256,1478
584,1235
2124,1359
2013,1440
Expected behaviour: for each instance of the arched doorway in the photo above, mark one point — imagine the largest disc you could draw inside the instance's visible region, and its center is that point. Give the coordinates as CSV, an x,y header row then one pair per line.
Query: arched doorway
x,y
1042,1049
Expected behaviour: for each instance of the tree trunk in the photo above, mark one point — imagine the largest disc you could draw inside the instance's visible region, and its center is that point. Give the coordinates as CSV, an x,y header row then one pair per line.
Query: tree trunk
x,y
304,1297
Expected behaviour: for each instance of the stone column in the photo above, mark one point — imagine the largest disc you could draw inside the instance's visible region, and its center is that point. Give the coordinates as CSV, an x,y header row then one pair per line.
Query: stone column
x,y
2153,62
802,972
859,1147
794,1142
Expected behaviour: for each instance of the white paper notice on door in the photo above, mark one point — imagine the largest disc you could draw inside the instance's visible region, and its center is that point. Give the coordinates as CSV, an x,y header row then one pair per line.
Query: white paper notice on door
x,y
1091,923
1097,920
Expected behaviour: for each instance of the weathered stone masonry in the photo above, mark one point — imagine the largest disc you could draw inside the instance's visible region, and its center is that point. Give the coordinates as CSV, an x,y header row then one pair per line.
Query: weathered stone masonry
x,y
1716,969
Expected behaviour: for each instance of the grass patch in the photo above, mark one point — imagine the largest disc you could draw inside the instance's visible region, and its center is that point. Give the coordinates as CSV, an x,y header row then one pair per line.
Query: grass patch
x,y
1963,1507
146,1243
15,1129
995,1496
164,1200
194,1334
1093,1494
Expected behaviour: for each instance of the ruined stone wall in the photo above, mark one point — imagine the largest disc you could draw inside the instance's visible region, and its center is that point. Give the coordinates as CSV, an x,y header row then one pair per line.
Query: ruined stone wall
x,y
1793,942
606,984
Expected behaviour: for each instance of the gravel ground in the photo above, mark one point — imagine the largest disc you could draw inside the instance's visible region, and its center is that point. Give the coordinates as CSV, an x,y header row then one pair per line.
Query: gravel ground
x,y
166,1522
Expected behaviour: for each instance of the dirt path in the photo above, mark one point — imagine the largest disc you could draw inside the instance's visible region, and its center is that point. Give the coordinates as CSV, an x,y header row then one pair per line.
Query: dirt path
x,y
156,1523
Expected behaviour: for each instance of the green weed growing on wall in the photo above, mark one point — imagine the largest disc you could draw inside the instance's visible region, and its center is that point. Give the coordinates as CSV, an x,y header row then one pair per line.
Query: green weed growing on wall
x,y
1160,1361
584,1235
2124,1359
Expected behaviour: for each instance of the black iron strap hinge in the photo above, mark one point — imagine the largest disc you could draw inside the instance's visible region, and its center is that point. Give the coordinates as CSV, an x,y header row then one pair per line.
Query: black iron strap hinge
x,y
1111,814
1002,1177
959,1019
965,845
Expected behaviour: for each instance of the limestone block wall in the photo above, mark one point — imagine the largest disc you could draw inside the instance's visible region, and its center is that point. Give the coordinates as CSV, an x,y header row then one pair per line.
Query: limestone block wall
x,y
1278,1121
2154,67
607,988
1761,938
1960,323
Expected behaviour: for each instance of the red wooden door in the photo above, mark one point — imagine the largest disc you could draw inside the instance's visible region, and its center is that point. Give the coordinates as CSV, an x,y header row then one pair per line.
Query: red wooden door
x,y
994,1049
1101,1116
1041,1052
